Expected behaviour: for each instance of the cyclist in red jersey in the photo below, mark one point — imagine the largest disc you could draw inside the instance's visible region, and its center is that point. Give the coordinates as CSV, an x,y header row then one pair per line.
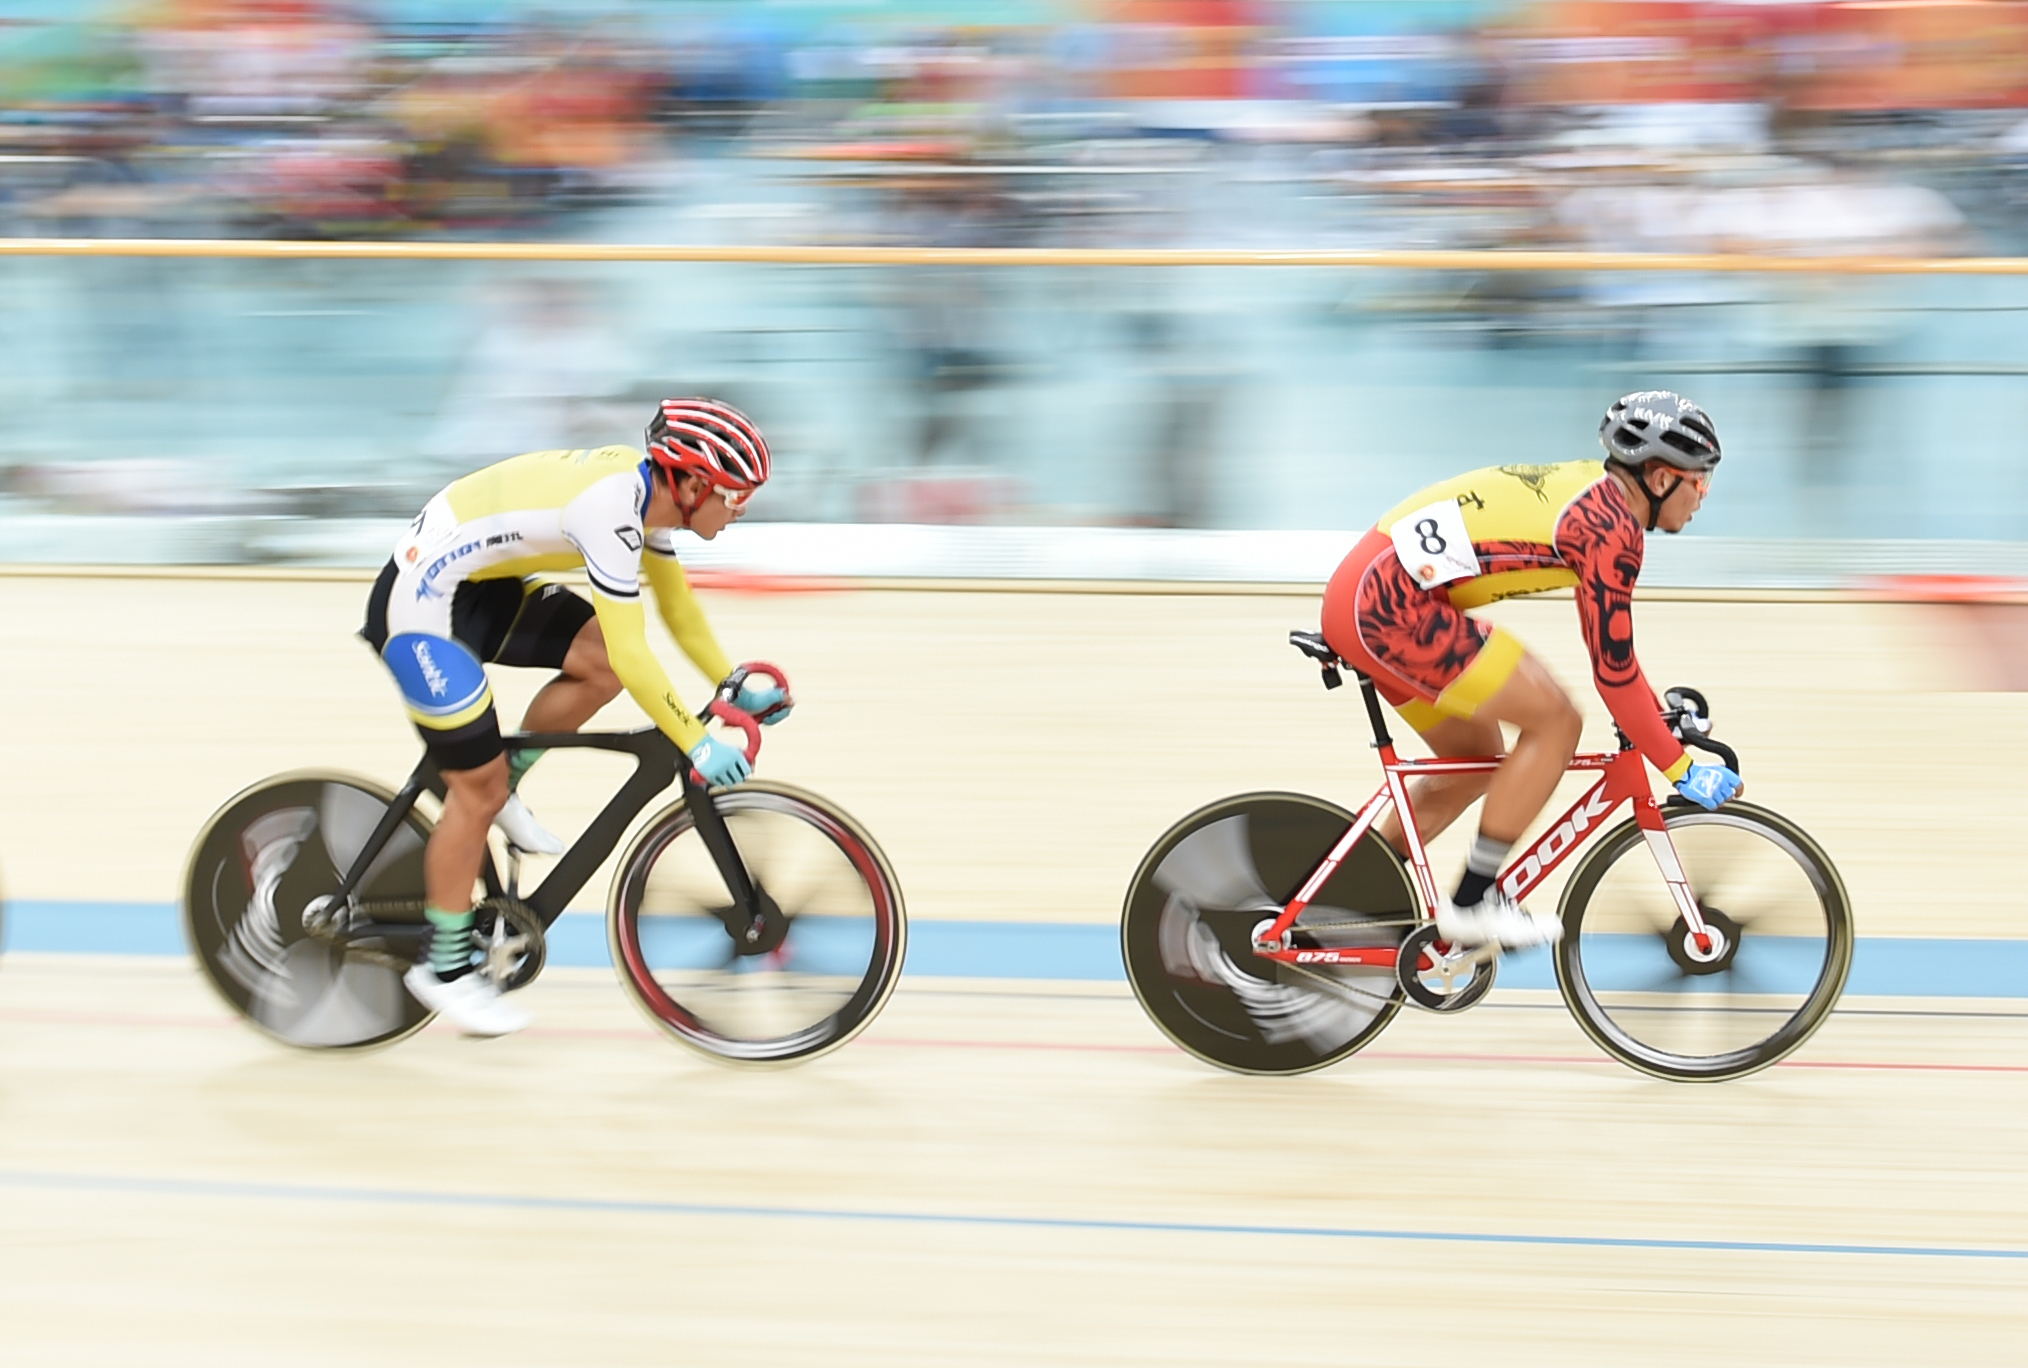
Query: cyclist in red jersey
x,y
1396,610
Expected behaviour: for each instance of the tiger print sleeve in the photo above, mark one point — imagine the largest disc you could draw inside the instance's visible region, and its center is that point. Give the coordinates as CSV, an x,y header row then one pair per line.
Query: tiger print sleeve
x,y
1599,538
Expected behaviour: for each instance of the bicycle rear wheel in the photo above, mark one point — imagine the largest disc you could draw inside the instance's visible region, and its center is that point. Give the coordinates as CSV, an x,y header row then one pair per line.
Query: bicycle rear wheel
x,y
265,857
1639,986
1186,934
826,958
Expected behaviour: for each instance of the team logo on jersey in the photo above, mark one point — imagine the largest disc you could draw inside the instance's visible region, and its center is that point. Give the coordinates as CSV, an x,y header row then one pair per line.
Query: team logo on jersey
x,y
433,678
411,554
1536,477
630,537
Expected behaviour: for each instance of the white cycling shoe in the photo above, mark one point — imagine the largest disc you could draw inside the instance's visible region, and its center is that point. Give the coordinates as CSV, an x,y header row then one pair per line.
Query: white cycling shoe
x,y
523,832
472,1002
1497,919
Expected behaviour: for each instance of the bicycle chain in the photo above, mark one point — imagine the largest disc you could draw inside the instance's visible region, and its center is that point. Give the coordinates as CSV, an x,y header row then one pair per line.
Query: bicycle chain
x,y
1364,924
325,927
1338,988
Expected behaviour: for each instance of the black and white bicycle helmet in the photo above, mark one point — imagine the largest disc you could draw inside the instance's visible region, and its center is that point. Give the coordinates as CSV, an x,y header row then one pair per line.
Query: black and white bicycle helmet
x,y
1658,425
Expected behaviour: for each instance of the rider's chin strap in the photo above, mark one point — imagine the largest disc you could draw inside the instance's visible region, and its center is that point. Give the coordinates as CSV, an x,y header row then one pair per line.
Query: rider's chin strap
x,y
1655,501
684,510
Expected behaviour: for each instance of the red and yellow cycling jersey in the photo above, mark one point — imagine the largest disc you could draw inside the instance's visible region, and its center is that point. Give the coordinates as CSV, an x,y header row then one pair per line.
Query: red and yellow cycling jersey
x,y
1531,528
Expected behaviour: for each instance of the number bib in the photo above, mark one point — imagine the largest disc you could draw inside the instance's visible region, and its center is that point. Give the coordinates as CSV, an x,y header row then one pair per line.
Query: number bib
x,y
1433,545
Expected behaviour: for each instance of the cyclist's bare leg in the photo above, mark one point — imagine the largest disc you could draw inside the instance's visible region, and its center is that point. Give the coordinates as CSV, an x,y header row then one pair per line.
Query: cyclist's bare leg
x,y
457,848
585,684
444,980
1550,724
1478,913
1439,799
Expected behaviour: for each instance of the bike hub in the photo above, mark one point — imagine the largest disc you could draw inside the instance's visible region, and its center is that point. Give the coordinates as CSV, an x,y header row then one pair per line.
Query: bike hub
x,y
760,934
1713,957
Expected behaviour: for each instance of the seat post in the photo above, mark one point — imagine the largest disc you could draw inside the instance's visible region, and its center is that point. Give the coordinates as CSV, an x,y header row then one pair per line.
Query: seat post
x,y
1381,740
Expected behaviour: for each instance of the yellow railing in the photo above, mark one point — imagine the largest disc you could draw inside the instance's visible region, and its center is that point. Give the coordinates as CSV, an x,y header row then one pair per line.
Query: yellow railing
x,y
1014,256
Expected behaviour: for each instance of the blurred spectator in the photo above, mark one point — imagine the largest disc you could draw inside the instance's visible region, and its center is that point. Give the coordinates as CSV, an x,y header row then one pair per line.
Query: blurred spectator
x,y
544,374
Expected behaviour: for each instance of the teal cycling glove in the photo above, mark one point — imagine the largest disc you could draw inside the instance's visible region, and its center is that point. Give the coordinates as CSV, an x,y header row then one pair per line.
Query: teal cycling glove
x,y
755,700
719,764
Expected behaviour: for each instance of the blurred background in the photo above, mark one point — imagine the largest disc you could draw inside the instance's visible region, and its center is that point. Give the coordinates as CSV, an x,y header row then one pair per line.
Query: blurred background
x,y
1176,422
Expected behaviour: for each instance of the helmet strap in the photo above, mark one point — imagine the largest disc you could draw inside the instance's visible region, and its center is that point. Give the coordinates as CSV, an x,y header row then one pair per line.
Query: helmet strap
x,y
1655,501
686,508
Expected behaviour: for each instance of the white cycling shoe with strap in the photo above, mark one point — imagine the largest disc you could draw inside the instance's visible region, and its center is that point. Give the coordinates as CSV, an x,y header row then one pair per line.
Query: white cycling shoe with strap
x,y
1497,919
472,1002
523,832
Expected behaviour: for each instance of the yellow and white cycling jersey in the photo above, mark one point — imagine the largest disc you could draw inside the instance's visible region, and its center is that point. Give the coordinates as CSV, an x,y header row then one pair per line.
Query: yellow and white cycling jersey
x,y
556,510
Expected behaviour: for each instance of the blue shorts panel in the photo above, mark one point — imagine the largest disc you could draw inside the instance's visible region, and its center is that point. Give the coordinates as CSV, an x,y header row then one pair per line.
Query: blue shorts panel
x,y
441,681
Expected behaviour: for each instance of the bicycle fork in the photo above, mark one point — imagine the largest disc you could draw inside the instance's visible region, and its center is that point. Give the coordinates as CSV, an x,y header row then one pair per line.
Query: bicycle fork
x,y
1705,942
755,923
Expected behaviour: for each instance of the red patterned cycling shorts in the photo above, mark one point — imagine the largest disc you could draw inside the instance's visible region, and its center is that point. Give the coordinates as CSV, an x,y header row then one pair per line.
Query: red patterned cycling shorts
x,y
1428,657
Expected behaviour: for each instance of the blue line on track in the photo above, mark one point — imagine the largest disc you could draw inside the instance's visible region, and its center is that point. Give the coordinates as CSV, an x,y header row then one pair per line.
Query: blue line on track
x,y
173,1187
1881,965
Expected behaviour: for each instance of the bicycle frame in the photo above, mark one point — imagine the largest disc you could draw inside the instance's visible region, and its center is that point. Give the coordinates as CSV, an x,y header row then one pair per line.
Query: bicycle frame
x,y
657,765
1622,778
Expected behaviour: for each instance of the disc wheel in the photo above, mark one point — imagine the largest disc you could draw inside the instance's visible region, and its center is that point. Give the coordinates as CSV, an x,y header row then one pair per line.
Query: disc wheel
x,y
1186,934
268,856
808,976
1780,944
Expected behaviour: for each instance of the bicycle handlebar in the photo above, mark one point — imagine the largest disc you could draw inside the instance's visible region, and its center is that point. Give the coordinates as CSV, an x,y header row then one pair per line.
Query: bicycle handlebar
x,y
722,708
719,710
1717,748
1689,720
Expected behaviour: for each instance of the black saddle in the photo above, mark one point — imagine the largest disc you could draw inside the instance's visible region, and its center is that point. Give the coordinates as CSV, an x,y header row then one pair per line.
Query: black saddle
x,y
1313,645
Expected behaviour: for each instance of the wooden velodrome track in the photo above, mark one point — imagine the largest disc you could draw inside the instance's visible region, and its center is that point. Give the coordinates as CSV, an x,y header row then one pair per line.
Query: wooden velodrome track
x,y
1000,1171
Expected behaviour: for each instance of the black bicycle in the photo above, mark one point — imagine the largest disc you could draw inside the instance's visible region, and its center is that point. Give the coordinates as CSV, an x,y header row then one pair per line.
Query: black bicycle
x,y
757,924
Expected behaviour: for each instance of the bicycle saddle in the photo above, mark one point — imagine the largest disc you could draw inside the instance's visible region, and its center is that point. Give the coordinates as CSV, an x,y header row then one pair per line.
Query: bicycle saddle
x,y
1313,645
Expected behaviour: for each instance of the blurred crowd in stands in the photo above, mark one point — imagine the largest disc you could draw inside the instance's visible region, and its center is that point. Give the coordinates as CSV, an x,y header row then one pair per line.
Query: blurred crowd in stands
x,y
1816,128
1634,123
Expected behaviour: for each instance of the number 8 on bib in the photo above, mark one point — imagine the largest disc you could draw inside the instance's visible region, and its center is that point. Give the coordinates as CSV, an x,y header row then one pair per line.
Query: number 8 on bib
x,y
1434,546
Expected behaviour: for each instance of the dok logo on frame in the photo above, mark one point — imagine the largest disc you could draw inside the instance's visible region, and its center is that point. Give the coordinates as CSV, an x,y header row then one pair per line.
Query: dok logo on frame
x,y
1557,843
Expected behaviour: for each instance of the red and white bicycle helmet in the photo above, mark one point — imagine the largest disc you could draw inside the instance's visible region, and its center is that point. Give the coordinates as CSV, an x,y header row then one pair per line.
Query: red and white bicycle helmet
x,y
709,439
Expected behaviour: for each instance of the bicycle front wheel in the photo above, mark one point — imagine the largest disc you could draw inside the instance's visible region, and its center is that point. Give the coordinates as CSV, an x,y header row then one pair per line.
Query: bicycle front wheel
x,y
1187,934
268,856
818,967
1639,985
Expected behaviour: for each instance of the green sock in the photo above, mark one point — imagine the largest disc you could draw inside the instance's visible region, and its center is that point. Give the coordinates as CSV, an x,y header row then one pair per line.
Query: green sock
x,y
450,942
519,763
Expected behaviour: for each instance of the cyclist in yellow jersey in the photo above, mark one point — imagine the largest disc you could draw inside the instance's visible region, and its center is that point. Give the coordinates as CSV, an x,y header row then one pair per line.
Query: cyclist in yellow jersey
x,y
456,595
1396,610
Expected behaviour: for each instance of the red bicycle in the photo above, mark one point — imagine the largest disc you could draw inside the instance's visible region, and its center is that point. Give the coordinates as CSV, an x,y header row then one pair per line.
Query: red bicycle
x,y
1276,933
